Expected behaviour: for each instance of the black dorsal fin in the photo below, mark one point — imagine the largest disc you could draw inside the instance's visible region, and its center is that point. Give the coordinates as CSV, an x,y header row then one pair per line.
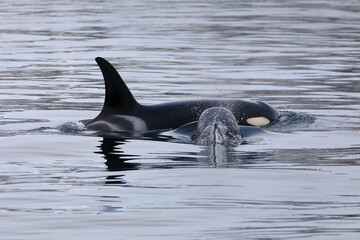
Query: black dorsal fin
x,y
117,94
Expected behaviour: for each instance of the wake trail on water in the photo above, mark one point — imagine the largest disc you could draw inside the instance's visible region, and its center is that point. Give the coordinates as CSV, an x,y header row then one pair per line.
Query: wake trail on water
x,y
291,121
288,122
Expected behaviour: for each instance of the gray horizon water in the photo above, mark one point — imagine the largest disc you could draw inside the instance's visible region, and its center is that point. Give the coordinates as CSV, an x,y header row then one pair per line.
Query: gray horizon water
x,y
300,182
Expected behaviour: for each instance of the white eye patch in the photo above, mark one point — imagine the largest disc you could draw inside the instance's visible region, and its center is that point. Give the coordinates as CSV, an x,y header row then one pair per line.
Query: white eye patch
x,y
258,121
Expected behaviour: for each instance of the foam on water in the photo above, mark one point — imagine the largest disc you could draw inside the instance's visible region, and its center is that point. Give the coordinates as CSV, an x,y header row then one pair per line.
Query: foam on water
x,y
291,121
72,127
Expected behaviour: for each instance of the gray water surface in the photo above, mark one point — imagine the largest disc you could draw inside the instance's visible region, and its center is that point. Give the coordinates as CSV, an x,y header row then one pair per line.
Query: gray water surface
x,y
300,182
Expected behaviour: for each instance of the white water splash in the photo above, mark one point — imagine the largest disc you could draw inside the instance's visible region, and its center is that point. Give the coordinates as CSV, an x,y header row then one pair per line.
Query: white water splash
x,y
72,127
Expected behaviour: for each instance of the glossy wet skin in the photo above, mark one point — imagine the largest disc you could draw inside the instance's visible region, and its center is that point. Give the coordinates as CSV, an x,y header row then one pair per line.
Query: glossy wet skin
x,y
217,125
121,112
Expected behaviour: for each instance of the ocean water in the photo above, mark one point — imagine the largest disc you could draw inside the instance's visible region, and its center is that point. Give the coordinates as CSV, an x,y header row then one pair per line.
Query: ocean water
x,y
301,181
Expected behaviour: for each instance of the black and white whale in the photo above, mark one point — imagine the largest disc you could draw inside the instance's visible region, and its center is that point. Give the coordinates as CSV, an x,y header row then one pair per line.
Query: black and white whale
x,y
216,126
121,112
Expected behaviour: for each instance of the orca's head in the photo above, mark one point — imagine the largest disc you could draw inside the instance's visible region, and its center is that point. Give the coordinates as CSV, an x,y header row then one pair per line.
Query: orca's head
x,y
217,125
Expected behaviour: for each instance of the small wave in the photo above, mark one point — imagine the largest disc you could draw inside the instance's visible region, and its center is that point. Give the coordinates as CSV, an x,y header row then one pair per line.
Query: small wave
x,y
291,121
72,127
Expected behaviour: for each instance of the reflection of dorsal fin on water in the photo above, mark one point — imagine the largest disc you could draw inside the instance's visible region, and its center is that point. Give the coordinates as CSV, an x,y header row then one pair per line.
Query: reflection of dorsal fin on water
x,y
117,94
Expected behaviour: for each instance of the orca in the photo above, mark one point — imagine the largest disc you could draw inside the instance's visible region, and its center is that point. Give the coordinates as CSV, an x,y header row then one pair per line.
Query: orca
x,y
217,125
121,111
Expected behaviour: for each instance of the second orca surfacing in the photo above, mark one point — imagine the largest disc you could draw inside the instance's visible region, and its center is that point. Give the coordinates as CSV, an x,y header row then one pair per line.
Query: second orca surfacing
x,y
121,112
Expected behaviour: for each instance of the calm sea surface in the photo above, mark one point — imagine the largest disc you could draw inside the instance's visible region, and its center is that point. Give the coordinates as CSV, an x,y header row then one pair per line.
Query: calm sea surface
x,y
302,182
